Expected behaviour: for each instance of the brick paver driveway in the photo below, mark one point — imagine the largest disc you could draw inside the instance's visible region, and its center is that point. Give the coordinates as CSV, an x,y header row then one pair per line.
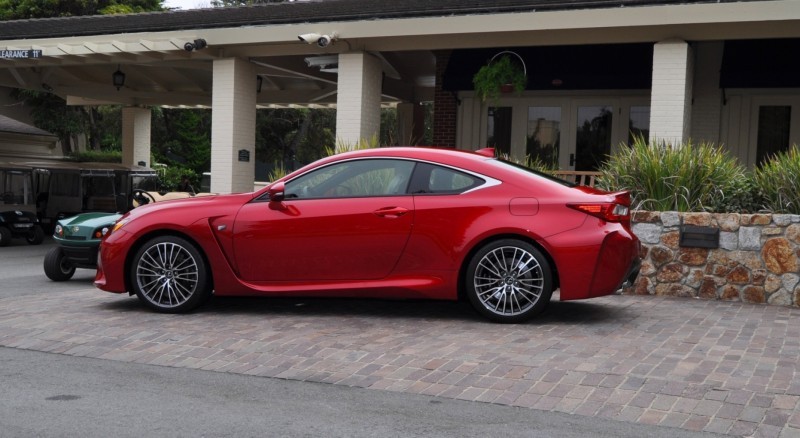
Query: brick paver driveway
x,y
706,366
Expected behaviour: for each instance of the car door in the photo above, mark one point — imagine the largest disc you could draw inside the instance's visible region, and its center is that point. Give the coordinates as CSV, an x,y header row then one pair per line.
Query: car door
x,y
347,221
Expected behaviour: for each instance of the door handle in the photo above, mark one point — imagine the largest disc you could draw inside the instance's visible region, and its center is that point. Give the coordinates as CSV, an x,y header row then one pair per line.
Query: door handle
x,y
571,160
390,212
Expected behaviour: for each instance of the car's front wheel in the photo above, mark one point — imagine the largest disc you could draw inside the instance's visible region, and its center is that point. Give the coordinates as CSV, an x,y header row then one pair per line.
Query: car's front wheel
x,y
56,265
168,274
509,281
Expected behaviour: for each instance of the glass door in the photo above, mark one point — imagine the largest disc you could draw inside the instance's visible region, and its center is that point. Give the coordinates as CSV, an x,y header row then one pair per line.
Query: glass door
x,y
498,130
774,126
594,126
544,134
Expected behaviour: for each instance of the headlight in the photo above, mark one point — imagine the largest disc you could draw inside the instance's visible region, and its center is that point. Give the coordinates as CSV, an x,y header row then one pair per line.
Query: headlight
x,y
117,225
59,231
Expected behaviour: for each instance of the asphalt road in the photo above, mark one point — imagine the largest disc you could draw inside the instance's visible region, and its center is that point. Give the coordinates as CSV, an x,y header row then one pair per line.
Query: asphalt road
x,y
48,395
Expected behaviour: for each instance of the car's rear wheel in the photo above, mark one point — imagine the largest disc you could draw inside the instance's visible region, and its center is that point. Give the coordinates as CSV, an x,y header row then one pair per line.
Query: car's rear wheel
x,y
509,281
56,265
168,274
35,236
5,236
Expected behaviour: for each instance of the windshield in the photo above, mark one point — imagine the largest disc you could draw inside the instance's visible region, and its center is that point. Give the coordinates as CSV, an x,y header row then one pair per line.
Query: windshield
x,y
15,187
527,170
147,183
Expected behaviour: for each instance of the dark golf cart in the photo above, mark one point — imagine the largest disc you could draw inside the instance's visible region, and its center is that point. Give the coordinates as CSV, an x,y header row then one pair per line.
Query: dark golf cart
x,y
17,205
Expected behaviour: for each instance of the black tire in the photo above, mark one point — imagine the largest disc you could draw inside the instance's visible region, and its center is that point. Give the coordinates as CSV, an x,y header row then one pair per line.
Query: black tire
x,y
56,265
169,275
509,281
35,236
5,236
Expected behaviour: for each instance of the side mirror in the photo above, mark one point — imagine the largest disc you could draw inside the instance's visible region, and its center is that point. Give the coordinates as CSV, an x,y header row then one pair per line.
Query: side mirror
x,y
276,192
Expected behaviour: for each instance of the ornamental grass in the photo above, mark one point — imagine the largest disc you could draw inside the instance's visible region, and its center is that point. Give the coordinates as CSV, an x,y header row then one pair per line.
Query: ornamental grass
x,y
664,177
778,178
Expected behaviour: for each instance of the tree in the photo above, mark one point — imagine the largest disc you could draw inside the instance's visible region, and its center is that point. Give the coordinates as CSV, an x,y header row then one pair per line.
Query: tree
x,y
50,112
25,9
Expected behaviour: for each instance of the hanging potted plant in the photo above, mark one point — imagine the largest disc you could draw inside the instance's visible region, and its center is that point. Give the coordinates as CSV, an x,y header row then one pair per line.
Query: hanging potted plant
x,y
502,74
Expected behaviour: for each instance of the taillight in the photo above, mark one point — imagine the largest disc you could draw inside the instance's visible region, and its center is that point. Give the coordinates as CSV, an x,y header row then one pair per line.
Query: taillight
x,y
610,212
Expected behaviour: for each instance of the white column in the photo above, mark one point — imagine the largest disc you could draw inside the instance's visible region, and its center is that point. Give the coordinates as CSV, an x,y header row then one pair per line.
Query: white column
x,y
358,102
671,98
136,136
233,126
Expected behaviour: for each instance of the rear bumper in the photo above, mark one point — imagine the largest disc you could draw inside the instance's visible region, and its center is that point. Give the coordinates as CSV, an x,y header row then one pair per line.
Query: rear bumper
x,y
600,269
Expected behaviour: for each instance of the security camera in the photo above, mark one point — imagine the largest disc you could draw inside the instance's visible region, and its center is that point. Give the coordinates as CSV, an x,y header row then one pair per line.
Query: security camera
x,y
321,40
309,38
195,45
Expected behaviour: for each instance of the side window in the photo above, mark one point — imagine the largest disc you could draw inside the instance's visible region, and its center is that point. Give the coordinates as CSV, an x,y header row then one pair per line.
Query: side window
x,y
351,179
430,178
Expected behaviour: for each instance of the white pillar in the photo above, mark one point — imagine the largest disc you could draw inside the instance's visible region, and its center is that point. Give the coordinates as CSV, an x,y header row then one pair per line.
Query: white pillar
x,y
358,102
671,98
233,126
136,136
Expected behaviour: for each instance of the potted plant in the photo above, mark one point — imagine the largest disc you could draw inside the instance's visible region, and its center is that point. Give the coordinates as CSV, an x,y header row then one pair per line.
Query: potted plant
x,y
502,74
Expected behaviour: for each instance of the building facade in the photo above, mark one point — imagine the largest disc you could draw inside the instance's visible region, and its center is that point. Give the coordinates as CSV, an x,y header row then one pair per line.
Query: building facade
x,y
598,72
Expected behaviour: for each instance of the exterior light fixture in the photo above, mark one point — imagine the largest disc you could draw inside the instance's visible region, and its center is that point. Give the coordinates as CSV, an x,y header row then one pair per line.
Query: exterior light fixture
x,y
259,83
118,78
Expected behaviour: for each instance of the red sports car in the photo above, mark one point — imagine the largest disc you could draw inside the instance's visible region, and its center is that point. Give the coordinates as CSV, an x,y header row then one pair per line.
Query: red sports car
x,y
390,223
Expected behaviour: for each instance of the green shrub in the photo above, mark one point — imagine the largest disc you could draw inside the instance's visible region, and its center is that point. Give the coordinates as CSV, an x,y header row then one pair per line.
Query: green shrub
x,y
742,196
676,178
170,176
96,156
778,178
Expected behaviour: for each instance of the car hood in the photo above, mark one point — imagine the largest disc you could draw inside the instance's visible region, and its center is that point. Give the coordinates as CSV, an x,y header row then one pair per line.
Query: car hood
x,y
204,204
91,220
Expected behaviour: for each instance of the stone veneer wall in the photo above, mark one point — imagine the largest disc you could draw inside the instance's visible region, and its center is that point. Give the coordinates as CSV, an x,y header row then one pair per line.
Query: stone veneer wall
x,y
757,260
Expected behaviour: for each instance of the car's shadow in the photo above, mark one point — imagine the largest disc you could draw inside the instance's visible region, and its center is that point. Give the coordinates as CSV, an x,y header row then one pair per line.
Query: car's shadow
x,y
557,312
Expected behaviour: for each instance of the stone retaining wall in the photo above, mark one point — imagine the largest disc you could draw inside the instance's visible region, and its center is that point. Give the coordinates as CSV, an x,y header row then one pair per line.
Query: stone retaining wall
x,y
757,260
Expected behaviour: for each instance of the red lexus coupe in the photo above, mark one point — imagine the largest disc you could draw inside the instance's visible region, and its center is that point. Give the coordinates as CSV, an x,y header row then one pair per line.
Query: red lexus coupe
x,y
390,223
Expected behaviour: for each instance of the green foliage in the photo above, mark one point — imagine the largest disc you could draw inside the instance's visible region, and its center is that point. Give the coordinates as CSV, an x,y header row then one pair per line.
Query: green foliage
x,y
170,177
779,181
743,195
108,124
492,76
293,136
182,137
52,114
96,156
25,9
663,177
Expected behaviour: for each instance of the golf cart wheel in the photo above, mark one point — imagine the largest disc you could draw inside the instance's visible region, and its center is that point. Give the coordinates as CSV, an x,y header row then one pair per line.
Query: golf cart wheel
x,y
35,236
5,236
56,265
